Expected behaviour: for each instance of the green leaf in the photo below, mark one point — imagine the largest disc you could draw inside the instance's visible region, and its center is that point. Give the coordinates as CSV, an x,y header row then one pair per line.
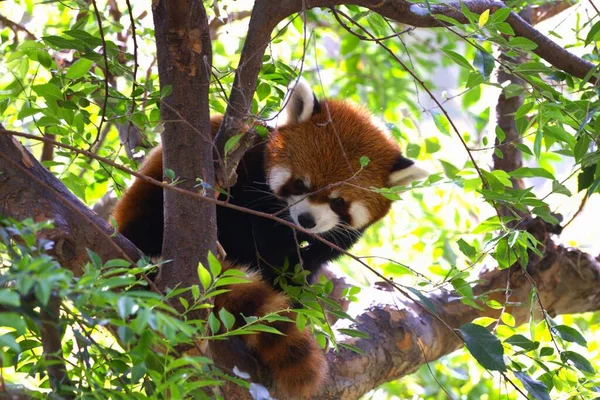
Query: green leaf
x,y
214,324
117,262
232,143
524,109
432,145
44,58
413,150
263,91
522,43
14,321
166,91
227,318
169,173
442,123
559,188
425,300
458,59
10,298
581,147
585,177
354,333
466,248
79,68
462,287
569,334
450,170
527,172
546,351
484,62
204,276
364,161
214,264
535,388
522,342
593,33
95,259
501,14
485,347
63,43
580,362
264,328
48,90
195,292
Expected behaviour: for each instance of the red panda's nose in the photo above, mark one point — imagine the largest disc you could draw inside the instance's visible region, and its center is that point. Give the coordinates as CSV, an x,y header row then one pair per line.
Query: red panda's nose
x,y
306,220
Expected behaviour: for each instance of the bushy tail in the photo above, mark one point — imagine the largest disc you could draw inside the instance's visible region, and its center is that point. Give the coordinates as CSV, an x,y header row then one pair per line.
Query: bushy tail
x,y
296,362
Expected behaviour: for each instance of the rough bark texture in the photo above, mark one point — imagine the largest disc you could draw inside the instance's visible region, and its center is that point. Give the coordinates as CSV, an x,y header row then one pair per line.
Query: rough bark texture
x,y
404,336
28,190
184,63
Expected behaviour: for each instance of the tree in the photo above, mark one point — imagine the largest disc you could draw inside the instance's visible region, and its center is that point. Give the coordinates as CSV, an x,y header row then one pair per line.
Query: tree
x,y
81,89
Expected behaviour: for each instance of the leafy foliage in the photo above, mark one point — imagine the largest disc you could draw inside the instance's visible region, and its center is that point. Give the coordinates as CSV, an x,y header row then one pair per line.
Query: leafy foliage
x,y
56,85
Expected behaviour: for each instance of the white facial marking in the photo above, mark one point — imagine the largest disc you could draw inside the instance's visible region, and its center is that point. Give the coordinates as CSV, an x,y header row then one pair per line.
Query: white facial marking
x,y
360,215
406,176
324,217
278,176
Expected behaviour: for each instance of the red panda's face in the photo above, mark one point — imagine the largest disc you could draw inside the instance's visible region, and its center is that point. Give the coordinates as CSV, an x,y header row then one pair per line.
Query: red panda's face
x,y
313,161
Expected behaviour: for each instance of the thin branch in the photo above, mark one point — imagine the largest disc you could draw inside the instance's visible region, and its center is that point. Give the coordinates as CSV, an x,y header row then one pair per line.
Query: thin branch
x,y
16,27
106,71
52,345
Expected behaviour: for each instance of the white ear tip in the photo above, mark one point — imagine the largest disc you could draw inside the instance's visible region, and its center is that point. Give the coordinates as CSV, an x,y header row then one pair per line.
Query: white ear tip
x,y
299,103
406,176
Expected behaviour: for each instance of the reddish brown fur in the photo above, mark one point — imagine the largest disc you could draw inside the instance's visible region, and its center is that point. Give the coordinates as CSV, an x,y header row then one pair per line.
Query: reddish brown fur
x,y
132,202
297,363
348,135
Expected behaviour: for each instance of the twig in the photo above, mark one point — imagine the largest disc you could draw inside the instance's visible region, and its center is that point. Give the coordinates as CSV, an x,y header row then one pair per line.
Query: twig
x,y
16,27
52,345
106,72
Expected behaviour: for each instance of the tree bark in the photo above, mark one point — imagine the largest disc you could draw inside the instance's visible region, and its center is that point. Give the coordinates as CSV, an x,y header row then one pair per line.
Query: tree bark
x,y
28,190
184,57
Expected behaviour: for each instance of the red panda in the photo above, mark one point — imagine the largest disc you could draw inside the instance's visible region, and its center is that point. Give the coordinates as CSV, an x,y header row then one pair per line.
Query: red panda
x,y
308,171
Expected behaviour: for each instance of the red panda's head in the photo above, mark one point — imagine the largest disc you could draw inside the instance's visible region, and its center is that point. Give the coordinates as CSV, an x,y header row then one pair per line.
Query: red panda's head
x,y
313,162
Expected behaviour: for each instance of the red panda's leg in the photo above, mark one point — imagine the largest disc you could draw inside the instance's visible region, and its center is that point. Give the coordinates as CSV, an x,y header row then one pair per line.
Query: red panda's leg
x,y
296,362
139,212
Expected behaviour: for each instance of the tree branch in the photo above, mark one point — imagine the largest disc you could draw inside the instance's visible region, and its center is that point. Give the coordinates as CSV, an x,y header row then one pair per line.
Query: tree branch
x,y
402,337
16,27
52,344
28,190
184,57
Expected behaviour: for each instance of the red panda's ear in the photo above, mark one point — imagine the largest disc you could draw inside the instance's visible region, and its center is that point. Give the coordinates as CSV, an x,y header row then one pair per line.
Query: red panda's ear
x,y
299,103
404,172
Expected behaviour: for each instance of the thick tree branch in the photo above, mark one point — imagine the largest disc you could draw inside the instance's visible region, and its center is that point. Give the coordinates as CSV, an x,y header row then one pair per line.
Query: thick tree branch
x,y
403,337
184,57
28,190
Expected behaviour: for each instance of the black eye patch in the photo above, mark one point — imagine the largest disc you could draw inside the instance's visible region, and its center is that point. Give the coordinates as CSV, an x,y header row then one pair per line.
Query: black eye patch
x,y
341,208
293,187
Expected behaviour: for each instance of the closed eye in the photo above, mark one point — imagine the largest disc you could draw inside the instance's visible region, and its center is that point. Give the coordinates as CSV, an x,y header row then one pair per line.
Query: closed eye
x,y
337,203
299,186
